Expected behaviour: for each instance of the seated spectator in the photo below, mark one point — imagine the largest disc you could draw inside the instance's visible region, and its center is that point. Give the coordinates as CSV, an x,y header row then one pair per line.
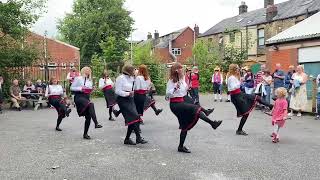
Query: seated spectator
x,y
40,86
29,87
15,93
1,94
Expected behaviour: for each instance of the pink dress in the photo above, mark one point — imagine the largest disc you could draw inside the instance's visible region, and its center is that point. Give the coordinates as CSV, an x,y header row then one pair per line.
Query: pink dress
x,y
278,112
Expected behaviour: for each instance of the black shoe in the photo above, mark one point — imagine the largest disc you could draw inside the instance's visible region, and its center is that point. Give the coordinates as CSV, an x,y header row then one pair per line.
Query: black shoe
x,y
141,141
68,112
86,136
158,111
111,119
183,149
58,129
220,100
98,126
215,100
129,142
228,101
19,108
208,111
243,133
141,123
216,124
116,113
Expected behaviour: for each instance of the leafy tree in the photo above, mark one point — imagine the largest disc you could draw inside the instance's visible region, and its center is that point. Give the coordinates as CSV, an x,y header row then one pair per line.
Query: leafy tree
x,y
232,55
98,27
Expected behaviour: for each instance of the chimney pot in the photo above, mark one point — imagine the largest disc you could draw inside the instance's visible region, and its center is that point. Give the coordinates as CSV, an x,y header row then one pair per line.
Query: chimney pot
x,y
196,30
243,8
156,34
149,35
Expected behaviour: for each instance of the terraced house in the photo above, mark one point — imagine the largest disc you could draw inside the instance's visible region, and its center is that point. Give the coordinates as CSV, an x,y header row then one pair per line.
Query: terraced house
x,y
249,30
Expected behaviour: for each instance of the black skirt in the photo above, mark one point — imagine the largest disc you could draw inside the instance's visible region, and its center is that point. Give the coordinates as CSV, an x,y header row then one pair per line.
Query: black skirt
x,y
59,105
187,114
244,103
128,110
148,102
82,102
110,97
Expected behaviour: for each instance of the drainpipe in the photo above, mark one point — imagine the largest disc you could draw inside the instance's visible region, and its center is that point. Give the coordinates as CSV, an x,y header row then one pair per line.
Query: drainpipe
x,y
170,52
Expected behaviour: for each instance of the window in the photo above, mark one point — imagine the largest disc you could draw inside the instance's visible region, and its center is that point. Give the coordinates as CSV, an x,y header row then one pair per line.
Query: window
x,y
52,65
176,51
71,65
63,65
232,37
260,37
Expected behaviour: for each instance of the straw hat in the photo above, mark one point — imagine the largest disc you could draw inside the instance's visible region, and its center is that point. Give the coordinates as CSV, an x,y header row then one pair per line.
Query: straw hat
x,y
217,69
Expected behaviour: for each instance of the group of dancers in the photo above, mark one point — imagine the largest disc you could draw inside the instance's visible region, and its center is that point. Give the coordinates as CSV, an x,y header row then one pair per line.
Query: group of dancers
x,y
133,91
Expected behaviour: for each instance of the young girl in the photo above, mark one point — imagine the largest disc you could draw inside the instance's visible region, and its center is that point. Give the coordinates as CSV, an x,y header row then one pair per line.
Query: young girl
x,y
187,113
279,112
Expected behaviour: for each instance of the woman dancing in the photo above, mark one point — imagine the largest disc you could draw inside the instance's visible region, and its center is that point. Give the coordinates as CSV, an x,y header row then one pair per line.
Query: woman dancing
x,y
82,88
186,112
244,103
124,88
54,92
106,85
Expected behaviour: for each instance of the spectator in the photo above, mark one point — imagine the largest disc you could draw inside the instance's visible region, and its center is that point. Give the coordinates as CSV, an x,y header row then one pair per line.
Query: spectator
x,y
248,82
15,93
1,94
195,84
318,98
298,100
287,82
217,80
72,74
266,81
29,87
39,86
278,78
258,77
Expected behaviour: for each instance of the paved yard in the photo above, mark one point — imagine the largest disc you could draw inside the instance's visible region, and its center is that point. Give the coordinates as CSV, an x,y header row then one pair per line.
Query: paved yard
x,y
30,148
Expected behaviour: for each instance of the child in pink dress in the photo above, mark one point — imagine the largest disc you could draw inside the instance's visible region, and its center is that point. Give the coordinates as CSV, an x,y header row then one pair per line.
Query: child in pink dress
x,y
279,113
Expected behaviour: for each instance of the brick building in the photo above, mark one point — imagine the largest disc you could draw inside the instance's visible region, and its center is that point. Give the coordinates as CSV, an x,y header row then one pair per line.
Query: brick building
x,y
59,56
249,30
173,47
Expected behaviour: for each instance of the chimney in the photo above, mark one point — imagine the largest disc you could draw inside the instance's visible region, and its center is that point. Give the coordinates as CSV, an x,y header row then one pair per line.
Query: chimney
x,y
268,3
149,35
271,12
196,30
156,35
243,8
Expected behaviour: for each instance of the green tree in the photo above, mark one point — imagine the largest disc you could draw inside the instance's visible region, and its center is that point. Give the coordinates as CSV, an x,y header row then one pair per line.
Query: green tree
x,y
232,55
98,27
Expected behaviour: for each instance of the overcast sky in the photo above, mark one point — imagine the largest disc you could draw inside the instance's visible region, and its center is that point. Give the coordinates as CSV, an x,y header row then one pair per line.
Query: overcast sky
x,y
163,15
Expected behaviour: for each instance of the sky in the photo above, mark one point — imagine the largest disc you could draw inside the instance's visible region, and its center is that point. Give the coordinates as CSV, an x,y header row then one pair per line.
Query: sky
x,y
165,16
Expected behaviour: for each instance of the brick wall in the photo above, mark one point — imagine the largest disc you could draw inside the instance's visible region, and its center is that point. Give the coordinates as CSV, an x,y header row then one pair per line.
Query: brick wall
x,y
285,57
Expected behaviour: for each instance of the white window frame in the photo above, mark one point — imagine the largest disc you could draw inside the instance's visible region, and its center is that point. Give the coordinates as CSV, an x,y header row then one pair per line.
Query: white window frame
x,y
52,65
176,51
71,65
63,65
261,37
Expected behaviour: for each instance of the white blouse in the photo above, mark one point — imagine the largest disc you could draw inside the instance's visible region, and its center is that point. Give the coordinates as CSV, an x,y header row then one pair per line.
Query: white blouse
x,y
142,84
179,92
105,82
54,90
80,82
124,85
233,83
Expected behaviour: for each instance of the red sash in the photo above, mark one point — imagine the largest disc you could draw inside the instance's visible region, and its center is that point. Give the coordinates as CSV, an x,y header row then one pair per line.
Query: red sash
x,y
237,91
107,87
177,99
141,91
54,97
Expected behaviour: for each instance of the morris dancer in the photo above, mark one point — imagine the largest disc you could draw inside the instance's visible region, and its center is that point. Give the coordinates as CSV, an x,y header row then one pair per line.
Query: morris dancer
x,y
150,101
186,112
82,87
106,85
244,103
124,89
54,92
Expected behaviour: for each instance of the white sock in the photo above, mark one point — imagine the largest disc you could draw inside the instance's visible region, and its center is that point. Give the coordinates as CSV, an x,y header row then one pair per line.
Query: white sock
x,y
220,96
229,97
215,96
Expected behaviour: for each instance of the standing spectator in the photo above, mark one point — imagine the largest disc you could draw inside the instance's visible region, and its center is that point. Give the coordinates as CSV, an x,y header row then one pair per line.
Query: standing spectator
x,y
248,82
287,83
217,80
71,75
15,93
278,78
194,84
318,98
266,81
258,77
1,94
299,91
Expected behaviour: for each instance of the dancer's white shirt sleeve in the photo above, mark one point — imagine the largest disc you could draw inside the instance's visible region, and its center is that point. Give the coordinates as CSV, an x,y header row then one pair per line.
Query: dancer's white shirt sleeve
x,y
233,83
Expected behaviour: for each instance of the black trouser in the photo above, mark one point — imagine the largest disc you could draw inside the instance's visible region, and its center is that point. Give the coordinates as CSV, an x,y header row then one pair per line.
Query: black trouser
x,y
90,114
133,127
